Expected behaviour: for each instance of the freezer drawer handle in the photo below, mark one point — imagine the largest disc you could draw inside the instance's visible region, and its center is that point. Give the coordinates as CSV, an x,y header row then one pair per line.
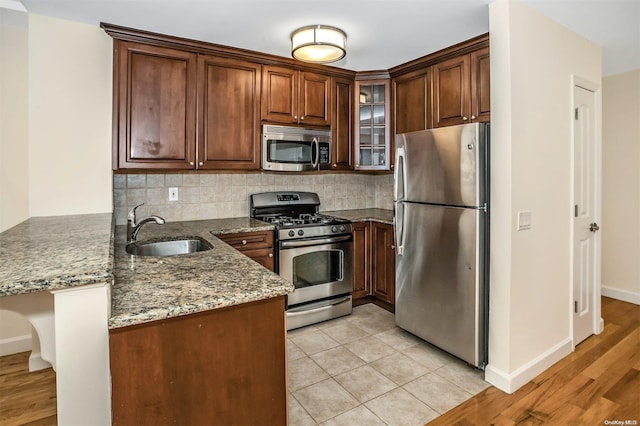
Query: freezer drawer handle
x,y
305,309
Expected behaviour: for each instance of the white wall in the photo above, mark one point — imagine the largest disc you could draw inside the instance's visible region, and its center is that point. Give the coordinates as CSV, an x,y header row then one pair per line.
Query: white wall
x,y
532,60
55,128
621,186
70,73
15,330
14,167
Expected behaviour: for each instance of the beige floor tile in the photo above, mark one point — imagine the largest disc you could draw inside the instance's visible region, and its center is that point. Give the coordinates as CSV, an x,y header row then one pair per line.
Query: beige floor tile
x,y
468,378
437,392
360,415
370,348
428,355
314,341
298,416
293,351
399,368
302,330
365,383
373,325
345,332
332,323
303,372
337,360
398,338
400,408
325,400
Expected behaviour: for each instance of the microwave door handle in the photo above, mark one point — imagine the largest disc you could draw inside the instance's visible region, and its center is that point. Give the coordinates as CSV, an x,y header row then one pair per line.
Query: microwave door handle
x,y
316,150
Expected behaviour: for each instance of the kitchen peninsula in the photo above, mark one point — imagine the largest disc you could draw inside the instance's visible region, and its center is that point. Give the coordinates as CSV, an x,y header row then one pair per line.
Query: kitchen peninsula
x,y
104,300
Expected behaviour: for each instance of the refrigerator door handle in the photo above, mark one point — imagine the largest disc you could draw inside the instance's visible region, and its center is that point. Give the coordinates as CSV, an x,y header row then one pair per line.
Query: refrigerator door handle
x,y
399,219
399,178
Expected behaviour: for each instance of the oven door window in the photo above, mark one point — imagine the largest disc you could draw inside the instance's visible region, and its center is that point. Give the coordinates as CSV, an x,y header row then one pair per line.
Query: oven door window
x,y
291,152
317,267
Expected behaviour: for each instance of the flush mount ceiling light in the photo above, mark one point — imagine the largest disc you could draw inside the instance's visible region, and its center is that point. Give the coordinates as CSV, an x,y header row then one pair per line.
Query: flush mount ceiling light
x,y
320,44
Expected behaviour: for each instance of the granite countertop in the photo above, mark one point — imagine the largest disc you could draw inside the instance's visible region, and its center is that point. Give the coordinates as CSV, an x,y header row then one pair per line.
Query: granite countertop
x,y
155,288
364,215
55,252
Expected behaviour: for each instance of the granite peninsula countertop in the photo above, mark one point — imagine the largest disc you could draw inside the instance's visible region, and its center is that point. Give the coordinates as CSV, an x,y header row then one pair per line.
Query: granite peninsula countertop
x,y
364,215
55,252
155,288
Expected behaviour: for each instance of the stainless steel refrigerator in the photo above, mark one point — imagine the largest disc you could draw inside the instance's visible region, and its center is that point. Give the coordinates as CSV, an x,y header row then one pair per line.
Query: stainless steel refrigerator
x,y
441,215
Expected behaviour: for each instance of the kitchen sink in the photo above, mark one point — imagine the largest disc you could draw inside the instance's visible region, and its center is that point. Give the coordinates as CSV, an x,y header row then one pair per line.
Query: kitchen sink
x,y
168,248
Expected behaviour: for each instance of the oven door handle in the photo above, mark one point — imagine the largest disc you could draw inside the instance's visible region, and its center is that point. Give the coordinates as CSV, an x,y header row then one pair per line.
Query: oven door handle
x,y
308,243
302,310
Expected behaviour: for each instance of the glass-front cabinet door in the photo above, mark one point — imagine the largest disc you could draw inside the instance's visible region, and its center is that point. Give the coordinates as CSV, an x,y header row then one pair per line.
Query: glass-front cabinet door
x,y
372,139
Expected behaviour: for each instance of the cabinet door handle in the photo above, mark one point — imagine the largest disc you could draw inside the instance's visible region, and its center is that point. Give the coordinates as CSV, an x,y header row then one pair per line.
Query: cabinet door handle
x,y
302,118
191,163
465,118
473,117
392,167
335,165
295,117
270,254
244,242
201,164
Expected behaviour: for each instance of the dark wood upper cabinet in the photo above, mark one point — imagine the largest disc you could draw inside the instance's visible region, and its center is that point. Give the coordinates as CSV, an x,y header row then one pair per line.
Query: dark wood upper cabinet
x,y
154,107
315,99
295,97
412,101
228,114
279,95
342,124
451,90
480,86
461,89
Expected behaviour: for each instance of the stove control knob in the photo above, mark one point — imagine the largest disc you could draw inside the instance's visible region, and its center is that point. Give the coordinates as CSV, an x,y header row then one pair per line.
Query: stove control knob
x,y
342,228
292,233
300,232
334,229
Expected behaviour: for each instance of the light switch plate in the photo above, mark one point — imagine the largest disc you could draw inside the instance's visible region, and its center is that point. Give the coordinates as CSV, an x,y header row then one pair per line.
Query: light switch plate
x,y
524,220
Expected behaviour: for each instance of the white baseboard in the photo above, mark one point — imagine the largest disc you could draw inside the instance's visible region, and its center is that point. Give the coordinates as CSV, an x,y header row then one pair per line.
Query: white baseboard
x,y
510,383
14,345
624,295
37,363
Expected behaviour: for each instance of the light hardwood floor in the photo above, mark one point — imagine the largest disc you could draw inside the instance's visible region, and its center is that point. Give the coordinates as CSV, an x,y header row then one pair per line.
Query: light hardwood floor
x,y
599,381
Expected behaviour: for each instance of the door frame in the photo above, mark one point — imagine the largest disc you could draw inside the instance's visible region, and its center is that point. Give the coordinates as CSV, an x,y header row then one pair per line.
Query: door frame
x,y
597,321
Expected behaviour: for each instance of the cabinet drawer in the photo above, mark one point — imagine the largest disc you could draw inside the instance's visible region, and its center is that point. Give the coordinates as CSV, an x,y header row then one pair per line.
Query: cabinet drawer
x,y
244,241
262,256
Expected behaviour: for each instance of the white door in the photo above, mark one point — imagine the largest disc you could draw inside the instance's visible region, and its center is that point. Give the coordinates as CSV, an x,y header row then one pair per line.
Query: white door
x,y
585,239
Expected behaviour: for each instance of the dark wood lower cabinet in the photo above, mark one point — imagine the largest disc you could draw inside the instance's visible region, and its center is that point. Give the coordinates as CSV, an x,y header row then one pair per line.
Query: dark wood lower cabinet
x,y
374,261
224,367
383,265
256,245
361,262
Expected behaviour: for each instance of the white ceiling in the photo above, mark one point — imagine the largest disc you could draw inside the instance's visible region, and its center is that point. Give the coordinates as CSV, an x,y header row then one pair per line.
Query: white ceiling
x,y
381,33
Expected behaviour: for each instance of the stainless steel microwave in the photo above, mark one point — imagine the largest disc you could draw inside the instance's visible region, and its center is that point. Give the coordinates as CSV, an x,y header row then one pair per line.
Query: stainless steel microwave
x,y
295,149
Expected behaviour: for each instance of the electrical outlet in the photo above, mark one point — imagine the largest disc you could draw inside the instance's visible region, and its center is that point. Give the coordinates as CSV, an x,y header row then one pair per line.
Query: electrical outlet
x,y
524,221
173,194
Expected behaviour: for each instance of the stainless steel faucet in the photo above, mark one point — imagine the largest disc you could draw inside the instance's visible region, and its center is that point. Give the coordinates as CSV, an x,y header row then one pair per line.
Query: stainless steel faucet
x,y
133,228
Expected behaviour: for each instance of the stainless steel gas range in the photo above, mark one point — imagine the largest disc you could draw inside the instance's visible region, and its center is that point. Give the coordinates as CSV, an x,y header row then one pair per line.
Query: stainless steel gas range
x,y
314,252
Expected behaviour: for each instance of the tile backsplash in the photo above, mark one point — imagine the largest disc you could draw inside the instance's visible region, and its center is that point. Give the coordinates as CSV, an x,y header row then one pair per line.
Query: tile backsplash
x,y
213,196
